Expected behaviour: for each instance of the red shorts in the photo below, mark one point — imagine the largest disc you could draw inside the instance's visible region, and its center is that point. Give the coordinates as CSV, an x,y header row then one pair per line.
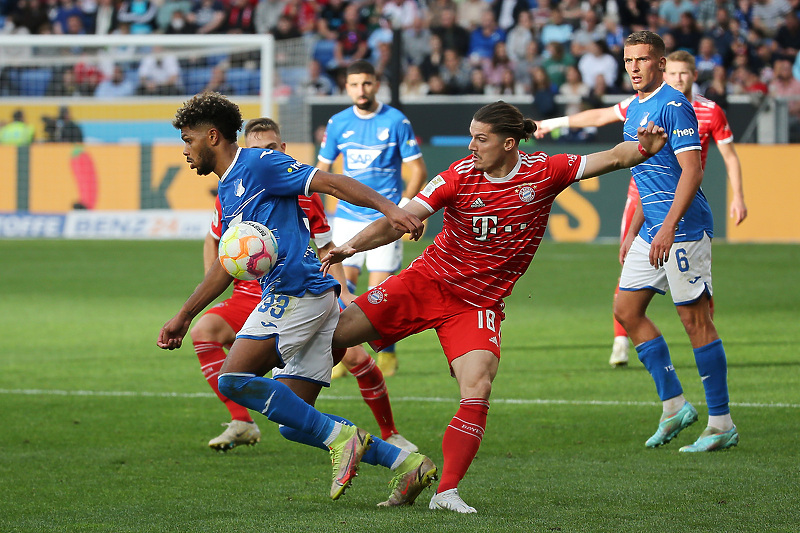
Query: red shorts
x,y
236,309
411,302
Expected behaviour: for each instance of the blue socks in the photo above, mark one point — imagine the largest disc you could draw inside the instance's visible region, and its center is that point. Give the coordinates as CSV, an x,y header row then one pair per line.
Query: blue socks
x,y
654,354
379,453
713,368
277,402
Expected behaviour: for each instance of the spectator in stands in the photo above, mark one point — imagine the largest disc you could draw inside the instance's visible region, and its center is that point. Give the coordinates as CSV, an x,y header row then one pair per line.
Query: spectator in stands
x,y
383,34
432,62
401,13
508,85
597,93
543,90
507,12
166,9
483,38
705,12
62,129
615,38
468,13
32,14
179,24
64,83
519,36
352,42
455,72
599,62
787,39
478,84
434,11
17,132
706,60
524,67
75,25
495,66
159,74
267,13
104,18
784,84
556,30
632,14
413,84
453,36
574,90
556,63
303,14
687,34
743,14
436,85
745,81
416,41
768,15
240,17
285,29
61,12
218,81
721,32
589,32
330,19
316,83
140,14
208,16
116,86
717,87
670,11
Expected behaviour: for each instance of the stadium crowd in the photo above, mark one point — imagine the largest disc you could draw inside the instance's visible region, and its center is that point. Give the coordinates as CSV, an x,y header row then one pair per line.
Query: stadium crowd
x,y
451,47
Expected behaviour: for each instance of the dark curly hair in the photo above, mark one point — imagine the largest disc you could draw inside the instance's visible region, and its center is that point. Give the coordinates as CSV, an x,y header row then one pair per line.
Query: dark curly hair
x,y
213,109
506,120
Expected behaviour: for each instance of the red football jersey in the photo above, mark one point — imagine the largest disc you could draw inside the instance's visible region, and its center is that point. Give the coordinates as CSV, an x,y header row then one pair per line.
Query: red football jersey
x,y
492,227
317,222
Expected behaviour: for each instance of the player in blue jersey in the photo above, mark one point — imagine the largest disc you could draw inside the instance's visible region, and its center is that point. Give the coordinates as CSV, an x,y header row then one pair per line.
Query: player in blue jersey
x,y
376,142
290,331
668,246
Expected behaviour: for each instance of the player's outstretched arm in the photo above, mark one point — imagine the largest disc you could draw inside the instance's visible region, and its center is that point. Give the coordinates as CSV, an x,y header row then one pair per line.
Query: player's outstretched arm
x,y
354,192
626,154
210,251
584,119
376,234
214,283
417,175
737,209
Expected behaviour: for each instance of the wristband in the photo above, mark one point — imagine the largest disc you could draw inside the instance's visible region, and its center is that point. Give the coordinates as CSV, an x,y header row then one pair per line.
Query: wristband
x,y
403,202
643,151
555,123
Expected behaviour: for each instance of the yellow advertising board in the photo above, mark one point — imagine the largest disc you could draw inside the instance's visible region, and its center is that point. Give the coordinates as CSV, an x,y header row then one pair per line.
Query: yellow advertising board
x,y
8,183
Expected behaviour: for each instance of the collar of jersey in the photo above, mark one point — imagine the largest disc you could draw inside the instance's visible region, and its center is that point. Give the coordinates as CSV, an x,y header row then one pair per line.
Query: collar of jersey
x,y
367,117
238,151
509,175
652,94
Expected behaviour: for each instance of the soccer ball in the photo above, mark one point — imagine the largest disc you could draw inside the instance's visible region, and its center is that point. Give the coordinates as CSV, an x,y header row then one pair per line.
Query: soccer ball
x,y
248,250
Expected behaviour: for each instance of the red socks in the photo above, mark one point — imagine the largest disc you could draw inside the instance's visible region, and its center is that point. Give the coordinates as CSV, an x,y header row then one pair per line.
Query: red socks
x,y
373,390
211,356
461,441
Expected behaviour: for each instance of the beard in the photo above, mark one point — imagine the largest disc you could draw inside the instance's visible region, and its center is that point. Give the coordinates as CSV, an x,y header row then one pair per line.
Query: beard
x,y
205,161
365,106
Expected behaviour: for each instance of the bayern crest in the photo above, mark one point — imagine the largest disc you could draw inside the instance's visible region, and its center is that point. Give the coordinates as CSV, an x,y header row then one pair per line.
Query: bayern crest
x,y
526,193
376,296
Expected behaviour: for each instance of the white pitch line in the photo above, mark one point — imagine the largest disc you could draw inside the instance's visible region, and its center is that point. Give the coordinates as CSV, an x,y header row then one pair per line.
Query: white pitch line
x,y
434,399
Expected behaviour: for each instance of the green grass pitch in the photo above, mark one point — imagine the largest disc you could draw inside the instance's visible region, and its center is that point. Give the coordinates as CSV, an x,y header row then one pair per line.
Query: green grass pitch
x,y
100,431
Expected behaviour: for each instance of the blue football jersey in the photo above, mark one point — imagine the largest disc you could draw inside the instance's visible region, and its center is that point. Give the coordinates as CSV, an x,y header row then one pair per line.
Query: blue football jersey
x,y
373,148
262,186
657,178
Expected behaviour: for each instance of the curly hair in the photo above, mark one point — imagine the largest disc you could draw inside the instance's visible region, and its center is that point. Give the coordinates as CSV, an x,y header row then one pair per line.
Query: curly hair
x,y
505,119
212,109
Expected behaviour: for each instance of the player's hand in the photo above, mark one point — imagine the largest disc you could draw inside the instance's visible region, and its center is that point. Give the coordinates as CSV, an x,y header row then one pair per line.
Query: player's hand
x,y
661,245
541,131
738,211
402,220
336,255
173,332
651,137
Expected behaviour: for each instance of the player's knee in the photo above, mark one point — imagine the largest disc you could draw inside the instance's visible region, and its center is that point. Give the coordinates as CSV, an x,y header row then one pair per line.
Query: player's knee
x,y
230,385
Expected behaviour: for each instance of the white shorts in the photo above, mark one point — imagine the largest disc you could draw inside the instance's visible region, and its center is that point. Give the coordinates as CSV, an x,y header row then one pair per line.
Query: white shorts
x,y
687,272
386,258
304,330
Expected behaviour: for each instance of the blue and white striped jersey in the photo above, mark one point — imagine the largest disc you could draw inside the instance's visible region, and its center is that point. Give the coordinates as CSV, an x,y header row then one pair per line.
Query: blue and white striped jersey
x,y
657,178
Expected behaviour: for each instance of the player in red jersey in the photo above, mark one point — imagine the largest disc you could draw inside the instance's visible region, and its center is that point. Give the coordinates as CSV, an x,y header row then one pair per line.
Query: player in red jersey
x,y
496,205
681,74
217,328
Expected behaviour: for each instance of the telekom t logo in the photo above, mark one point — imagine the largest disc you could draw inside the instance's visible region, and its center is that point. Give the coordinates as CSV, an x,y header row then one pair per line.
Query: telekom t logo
x,y
483,226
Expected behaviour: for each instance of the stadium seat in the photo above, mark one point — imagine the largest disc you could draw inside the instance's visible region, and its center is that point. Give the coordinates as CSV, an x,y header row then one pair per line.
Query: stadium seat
x,y
292,76
195,79
34,82
244,81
